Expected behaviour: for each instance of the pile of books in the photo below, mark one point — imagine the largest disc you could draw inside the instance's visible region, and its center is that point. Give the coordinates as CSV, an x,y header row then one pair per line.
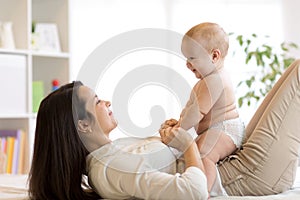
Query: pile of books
x,y
12,151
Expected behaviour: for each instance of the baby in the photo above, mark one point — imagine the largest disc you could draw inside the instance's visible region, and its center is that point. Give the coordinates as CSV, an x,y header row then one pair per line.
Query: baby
x,y
211,109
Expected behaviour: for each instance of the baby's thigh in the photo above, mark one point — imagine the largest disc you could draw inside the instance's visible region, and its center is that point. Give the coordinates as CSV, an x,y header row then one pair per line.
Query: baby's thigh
x,y
215,145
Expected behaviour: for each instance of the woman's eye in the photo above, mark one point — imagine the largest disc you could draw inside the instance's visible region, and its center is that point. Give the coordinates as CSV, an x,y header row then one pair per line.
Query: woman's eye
x,y
98,101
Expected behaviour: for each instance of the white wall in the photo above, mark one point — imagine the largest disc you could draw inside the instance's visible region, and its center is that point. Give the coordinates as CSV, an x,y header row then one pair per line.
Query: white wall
x,y
95,21
291,16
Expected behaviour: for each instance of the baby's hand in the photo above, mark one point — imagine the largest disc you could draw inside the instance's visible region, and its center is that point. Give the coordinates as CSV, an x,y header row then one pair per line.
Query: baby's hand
x,y
177,138
169,123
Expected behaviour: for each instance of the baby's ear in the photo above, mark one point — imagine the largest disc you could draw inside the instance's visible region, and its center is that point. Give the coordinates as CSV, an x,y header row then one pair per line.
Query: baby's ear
x,y
84,126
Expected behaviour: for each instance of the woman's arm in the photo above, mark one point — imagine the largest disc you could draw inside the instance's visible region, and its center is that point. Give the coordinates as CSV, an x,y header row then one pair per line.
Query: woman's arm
x,y
113,182
180,139
192,157
192,184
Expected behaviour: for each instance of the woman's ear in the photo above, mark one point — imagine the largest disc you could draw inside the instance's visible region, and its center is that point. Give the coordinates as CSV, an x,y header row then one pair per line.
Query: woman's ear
x,y
84,126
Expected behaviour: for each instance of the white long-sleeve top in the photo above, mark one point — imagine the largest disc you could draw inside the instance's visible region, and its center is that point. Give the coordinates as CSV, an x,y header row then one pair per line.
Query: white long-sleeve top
x,y
142,168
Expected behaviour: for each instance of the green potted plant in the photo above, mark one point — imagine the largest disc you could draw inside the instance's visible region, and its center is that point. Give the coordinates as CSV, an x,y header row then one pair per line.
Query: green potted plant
x,y
269,63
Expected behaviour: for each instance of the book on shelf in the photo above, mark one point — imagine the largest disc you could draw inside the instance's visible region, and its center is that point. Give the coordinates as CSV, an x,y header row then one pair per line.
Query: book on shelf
x,y
2,155
13,148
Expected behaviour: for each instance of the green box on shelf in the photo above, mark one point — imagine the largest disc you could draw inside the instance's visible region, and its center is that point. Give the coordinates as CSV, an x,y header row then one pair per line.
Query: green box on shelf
x,y
37,94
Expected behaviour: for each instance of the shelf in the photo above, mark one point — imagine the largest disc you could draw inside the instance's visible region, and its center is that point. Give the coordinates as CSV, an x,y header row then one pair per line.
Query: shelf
x,y
35,53
46,69
22,67
50,54
17,116
14,51
16,11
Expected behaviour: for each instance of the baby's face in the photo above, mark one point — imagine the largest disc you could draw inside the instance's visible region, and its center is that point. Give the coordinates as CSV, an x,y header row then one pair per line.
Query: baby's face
x,y
198,60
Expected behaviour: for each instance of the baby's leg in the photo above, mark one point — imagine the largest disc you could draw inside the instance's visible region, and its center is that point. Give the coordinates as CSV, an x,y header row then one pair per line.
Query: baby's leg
x,y
213,146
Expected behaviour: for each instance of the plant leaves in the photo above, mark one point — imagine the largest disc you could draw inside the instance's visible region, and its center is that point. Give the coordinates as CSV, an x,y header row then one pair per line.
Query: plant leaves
x,y
240,102
248,83
283,47
248,57
293,45
240,40
272,61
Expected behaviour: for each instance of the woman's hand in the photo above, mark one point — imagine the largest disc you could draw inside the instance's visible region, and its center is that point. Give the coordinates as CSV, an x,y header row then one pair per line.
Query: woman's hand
x,y
176,137
180,139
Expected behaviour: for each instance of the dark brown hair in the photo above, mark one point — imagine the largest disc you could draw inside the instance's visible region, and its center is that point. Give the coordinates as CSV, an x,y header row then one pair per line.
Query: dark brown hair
x,y
59,157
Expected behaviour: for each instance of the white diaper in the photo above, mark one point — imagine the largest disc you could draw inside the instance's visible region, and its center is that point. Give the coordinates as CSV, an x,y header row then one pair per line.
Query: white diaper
x,y
234,128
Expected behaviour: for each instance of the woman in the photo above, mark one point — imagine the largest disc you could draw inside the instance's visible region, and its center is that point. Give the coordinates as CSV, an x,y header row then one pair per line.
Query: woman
x,y
266,163
73,127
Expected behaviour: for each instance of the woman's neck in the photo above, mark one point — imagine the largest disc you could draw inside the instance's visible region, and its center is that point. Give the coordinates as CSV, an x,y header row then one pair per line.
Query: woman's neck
x,y
94,140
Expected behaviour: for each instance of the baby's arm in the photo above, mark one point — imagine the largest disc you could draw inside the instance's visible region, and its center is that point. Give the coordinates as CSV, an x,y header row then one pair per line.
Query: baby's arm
x,y
190,115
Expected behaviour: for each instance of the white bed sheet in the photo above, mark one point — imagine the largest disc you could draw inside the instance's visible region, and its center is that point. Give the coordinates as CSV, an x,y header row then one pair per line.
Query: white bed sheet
x,y
14,187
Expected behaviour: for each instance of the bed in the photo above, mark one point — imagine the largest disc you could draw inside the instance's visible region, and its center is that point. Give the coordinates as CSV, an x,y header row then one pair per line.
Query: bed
x,y
14,187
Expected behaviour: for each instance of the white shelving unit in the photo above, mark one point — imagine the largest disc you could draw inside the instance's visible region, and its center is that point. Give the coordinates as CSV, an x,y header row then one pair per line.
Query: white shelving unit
x,y
40,65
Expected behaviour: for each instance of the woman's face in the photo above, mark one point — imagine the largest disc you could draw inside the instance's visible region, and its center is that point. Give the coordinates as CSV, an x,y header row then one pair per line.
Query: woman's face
x,y
99,109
